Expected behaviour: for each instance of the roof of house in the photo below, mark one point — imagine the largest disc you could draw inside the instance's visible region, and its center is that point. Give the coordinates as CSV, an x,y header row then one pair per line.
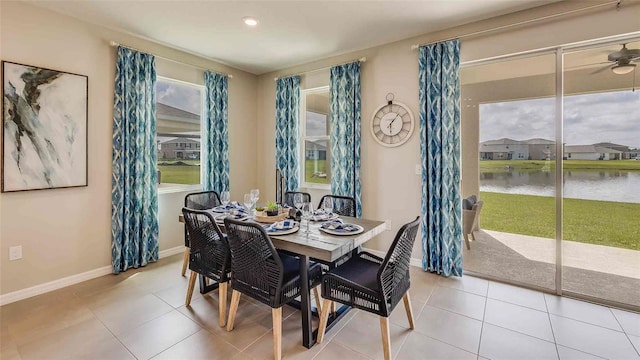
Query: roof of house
x,y
539,141
508,141
610,145
178,139
589,149
312,145
493,148
502,141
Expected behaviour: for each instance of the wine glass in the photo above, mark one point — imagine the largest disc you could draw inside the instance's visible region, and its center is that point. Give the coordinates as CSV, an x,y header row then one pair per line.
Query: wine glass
x,y
307,212
255,195
327,205
224,199
298,201
248,202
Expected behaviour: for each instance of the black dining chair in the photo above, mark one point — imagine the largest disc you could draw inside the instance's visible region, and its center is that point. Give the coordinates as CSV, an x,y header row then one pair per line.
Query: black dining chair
x,y
373,284
342,205
289,197
258,270
209,255
197,201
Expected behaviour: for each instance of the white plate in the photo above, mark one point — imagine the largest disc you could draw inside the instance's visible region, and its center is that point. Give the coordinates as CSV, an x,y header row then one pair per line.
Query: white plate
x,y
222,209
220,218
284,232
341,233
332,217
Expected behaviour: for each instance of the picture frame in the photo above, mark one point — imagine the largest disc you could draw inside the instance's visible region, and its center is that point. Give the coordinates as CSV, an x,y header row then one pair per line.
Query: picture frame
x,y
44,128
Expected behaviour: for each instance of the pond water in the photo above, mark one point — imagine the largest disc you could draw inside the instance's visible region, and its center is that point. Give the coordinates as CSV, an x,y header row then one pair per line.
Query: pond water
x,y
605,185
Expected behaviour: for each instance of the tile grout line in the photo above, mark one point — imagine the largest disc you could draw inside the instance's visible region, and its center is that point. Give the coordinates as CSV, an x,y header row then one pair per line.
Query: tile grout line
x,y
624,331
568,347
112,334
484,315
553,333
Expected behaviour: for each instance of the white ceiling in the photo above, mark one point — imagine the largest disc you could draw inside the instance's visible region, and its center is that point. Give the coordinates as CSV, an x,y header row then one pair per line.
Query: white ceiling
x,y
289,32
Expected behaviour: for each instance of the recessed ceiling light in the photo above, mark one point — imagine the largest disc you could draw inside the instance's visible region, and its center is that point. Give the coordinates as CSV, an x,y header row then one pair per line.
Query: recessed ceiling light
x,y
250,21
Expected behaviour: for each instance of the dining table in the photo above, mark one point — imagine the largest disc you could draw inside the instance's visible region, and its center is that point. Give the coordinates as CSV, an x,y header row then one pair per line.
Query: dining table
x,y
319,246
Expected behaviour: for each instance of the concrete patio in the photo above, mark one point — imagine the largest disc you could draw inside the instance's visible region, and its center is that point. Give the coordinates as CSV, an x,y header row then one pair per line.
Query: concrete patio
x,y
599,271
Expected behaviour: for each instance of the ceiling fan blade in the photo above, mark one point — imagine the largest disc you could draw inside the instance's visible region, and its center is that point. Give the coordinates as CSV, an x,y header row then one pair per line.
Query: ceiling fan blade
x,y
600,70
582,66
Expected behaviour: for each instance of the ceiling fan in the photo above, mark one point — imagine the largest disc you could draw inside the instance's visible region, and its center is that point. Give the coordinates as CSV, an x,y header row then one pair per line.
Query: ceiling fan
x,y
623,61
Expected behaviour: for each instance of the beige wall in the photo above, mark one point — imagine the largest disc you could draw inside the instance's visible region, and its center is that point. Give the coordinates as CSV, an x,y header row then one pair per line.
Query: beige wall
x,y
65,232
390,188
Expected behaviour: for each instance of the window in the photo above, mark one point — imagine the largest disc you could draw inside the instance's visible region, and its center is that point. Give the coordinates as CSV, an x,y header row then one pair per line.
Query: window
x,y
178,112
315,166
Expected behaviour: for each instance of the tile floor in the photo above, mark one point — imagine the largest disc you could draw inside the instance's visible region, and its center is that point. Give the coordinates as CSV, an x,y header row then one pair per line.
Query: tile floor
x,y
141,314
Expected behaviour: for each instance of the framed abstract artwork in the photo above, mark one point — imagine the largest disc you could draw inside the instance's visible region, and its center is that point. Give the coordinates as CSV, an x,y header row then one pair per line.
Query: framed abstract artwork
x,y
44,128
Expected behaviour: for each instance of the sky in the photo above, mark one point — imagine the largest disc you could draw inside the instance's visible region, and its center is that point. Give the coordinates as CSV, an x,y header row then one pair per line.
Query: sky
x,y
316,124
588,119
183,97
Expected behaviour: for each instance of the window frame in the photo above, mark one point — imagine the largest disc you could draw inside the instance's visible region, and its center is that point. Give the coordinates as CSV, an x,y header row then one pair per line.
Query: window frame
x,y
302,137
166,188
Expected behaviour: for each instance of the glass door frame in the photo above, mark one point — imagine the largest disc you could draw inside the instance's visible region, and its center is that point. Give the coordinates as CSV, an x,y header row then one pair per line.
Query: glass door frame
x,y
559,52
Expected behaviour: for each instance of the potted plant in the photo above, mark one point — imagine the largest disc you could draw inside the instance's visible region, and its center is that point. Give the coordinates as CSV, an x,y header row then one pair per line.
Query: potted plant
x,y
272,209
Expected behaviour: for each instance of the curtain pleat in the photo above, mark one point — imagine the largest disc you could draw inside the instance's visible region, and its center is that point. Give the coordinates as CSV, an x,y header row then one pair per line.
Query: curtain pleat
x,y
215,133
439,83
344,96
287,120
134,210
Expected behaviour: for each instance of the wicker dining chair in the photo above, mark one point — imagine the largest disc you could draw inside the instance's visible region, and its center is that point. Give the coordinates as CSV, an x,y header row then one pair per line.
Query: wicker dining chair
x,y
197,201
261,272
289,197
373,284
209,255
342,205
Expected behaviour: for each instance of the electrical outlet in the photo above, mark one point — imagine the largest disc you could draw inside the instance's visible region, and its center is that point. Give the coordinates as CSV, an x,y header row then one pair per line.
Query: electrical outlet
x,y
387,224
15,252
418,169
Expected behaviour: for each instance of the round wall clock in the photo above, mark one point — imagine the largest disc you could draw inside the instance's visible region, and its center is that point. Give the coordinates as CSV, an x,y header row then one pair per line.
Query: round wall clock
x,y
392,124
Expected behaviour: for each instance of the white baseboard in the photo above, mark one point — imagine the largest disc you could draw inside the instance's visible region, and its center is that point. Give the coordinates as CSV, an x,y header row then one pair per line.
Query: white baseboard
x,y
172,251
71,280
414,261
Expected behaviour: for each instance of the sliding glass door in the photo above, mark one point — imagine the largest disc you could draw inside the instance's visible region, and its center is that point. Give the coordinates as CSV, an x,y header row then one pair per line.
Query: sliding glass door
x,y
601,212
513,103
551,144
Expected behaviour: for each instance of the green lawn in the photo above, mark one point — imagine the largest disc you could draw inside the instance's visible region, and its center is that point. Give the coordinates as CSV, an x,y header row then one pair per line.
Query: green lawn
x,y
493,165
180,174
588,221
310,169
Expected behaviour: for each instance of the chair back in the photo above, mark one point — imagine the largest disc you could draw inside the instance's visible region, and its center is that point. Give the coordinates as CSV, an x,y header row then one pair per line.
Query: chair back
x,y
202,200
209,253
393,275
289,196
342,205
256,267
477,207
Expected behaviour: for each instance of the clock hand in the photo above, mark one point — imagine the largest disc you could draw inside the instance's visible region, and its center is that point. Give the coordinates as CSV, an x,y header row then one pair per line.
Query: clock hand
x,y
394,119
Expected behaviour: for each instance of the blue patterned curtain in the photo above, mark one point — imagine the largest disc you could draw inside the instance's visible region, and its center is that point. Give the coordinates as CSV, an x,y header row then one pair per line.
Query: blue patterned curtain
x,y
215,134
440,154
344,96
287,119
134,197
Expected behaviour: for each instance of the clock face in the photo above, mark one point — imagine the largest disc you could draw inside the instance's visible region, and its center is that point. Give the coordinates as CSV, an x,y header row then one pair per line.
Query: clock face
x,y
392,124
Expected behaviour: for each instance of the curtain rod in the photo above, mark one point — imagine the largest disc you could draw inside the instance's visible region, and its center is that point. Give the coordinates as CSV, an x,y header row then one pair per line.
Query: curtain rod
x,y
114,44
362,59
524,22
